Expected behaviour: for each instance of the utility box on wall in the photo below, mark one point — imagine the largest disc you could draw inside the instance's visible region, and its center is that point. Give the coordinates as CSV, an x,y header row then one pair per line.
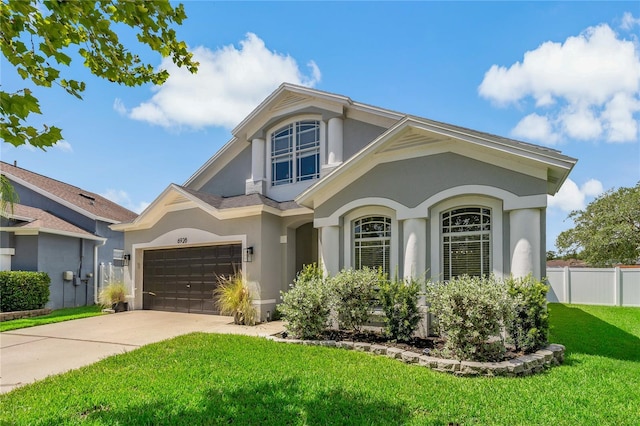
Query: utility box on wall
x,y
67,275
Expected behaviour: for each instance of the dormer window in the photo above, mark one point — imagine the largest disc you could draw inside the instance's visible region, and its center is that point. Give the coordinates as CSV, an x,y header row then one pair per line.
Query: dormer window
x,y
295,152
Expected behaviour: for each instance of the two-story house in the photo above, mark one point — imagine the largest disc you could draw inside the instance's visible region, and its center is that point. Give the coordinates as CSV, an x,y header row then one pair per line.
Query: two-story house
x,y
62,230
311,176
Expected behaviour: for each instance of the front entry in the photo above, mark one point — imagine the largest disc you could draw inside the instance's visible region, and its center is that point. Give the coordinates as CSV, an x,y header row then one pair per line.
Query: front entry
x,y
183,279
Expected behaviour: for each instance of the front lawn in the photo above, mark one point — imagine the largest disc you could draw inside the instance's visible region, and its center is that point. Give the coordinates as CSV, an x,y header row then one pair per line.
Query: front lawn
x,y
58,315
202,379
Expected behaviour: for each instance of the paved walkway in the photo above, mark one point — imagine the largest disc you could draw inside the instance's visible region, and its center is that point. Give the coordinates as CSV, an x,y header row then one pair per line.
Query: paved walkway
x,y
31,354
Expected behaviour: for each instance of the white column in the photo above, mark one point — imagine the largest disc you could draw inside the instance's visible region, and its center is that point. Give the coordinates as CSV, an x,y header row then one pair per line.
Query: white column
x,y
257,182
415,247
334,142
257,159
329,249
525,242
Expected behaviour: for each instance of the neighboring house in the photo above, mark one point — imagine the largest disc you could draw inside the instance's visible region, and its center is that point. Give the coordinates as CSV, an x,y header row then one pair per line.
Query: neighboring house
x,y
62,230
311,176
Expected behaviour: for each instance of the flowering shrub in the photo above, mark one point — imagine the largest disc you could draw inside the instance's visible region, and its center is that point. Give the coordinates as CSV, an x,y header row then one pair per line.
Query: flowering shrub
x,y
305,307
528,326
399,301
351,293
470,311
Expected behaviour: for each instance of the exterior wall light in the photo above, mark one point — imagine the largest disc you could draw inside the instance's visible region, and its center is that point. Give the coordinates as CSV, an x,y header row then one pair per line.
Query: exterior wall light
x,y
248,254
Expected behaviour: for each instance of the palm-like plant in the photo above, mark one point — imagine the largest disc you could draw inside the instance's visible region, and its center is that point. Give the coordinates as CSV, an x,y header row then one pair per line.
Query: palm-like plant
x,y
232,297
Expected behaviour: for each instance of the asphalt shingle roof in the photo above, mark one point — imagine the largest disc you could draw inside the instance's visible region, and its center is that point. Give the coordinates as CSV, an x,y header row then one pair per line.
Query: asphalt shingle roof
x,y
238,201
86,200
25,217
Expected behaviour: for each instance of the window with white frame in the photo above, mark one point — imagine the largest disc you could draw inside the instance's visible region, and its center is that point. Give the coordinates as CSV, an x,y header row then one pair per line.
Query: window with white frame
x,y
295,152
466,242
372,242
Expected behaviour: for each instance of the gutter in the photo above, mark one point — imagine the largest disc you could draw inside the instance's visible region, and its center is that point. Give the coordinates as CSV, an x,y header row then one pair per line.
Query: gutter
x,y
95,270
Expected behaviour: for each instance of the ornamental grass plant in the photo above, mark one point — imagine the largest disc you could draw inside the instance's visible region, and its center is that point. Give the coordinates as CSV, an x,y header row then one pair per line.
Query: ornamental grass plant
x,y
233,297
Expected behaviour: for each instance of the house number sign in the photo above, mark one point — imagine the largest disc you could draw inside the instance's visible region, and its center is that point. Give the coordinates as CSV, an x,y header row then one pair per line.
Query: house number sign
x,y
182,240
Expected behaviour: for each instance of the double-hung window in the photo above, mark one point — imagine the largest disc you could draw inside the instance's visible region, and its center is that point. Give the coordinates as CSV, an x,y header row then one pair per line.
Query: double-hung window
x,y
295,152
372,242
466,242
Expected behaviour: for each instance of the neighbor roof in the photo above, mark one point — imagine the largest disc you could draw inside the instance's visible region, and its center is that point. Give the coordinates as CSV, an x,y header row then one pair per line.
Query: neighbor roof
x,y
28,220
85,202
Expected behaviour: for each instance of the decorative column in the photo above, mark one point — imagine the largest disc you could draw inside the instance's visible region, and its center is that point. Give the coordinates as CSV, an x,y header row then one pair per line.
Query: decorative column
x,y
525,242
329,249
334,141
415,247
257,182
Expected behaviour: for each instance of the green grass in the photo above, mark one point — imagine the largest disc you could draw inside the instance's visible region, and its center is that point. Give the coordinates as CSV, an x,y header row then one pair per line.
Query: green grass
x,y
58,315
202,379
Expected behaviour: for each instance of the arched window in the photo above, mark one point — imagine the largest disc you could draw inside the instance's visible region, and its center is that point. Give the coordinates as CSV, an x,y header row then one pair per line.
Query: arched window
x,y
466,242
295,152
372,242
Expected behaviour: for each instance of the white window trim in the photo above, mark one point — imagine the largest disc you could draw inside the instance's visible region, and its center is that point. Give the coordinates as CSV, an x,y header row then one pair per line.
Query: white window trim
x,y
496,234
293,187
348,234
479,232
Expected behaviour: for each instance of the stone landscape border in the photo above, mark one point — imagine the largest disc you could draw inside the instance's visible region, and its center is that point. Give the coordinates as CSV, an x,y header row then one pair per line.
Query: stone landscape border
x,y
7,316
525,365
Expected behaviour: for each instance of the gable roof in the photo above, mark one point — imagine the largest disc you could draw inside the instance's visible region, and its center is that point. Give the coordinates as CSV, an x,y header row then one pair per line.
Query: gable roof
x,y
176,197
288,98
25,220
412,134
87,203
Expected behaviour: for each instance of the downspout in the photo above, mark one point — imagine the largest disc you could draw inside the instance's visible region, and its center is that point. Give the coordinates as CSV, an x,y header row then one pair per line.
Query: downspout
x,y
95,270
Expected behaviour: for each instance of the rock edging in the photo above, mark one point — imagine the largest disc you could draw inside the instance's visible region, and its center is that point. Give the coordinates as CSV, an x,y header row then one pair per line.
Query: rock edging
x,y
525,365
6,316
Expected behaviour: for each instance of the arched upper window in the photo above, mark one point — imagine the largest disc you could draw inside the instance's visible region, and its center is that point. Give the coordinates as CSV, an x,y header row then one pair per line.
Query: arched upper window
x,y
372,242
466,242
295,152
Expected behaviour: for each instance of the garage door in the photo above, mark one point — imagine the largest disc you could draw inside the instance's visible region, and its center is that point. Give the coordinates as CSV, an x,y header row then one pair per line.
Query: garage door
x,y
183,279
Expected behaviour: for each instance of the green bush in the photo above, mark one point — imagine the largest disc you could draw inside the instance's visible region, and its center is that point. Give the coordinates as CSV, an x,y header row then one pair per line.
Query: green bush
x,y
470,311
305,307
23,291
399,301
352,292
528,326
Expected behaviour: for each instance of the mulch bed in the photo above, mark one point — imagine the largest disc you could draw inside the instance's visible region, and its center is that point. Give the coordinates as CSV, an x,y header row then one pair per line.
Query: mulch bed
x,y
423,346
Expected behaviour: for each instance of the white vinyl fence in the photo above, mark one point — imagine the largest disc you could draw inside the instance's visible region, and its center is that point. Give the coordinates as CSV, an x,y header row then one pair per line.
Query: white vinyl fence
x,y
595,286
109,274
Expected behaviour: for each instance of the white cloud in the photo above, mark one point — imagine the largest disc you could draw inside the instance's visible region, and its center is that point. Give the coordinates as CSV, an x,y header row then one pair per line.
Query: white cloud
x,y
121,197
571,197
119,107
537,128
588,86
628,21
230,82
63,146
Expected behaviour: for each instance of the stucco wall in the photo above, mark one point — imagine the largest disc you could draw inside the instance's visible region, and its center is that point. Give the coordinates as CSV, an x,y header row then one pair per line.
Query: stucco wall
x,y
357,135
414,180
231,179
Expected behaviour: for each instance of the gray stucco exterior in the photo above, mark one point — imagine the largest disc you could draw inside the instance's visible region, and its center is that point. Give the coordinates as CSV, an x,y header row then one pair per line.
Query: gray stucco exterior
x,y
373,162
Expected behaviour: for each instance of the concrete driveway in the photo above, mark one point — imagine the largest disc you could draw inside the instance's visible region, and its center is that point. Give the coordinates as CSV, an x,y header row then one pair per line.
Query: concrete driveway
x,y
31,354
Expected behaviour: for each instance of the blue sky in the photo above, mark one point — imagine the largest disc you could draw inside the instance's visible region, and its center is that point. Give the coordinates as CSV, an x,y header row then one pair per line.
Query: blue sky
x,y
560,74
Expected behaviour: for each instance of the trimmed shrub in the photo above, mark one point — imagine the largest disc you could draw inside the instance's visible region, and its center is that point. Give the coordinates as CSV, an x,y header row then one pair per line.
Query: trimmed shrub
x,y
305,307
23,291
399,301
352,293
470,311
528,326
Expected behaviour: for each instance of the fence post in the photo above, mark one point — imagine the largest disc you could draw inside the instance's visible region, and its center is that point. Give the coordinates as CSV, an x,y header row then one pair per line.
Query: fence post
x,y
566,281
617,286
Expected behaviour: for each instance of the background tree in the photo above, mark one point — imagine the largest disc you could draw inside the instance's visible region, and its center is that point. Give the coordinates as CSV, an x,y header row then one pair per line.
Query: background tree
x,y
607,231
37,38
